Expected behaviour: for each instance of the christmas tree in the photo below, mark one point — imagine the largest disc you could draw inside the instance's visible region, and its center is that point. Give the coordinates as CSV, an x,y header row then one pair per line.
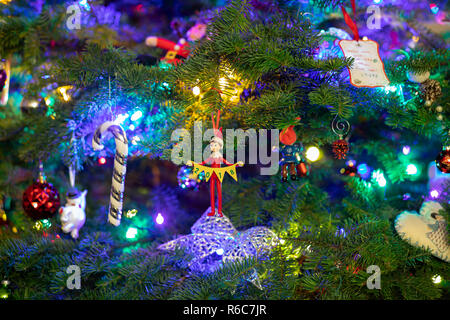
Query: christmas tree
x,y
333,121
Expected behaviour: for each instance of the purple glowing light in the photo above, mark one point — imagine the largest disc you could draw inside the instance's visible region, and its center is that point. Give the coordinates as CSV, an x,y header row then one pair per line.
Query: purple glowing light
x,y
159,219
406,150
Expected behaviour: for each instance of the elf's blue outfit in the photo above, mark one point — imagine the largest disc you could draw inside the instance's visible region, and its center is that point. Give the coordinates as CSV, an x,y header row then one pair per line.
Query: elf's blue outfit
x,y
291,156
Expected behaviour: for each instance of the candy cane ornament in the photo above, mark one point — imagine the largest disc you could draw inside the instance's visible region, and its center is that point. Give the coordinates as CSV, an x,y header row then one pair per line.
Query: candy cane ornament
x,y
120,167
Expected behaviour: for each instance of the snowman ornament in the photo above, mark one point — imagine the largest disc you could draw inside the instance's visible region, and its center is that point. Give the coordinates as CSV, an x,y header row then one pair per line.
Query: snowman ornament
x,y
427,230
73,215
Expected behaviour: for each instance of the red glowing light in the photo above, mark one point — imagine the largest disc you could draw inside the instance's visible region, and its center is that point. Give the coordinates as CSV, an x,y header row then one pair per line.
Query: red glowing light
x,y
102,160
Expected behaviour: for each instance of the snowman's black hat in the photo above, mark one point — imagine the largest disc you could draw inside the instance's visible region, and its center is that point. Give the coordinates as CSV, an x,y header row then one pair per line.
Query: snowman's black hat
x,y
73,193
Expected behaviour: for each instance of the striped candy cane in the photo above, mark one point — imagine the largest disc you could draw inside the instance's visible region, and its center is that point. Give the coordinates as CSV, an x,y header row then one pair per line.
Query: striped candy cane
x,y
120,167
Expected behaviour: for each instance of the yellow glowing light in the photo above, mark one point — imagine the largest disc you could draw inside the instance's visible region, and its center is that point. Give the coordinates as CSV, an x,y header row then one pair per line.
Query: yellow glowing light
x,y
131,213
312,154
415,38
38,225
63,91
365,38
14,229
5,1
436,279
196,90
33,104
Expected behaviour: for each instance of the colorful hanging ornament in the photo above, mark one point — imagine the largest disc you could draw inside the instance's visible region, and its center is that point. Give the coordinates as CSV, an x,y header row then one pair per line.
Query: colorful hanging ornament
x,y
215,173
428,229
73,215
5,75
179,49
120,167
340,147
367,69
188,180
41,199
214,241
443,160
291,153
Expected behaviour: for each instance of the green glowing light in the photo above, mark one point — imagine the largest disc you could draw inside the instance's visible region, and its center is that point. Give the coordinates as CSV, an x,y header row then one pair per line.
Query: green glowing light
x,y
378,177
411,169
131,233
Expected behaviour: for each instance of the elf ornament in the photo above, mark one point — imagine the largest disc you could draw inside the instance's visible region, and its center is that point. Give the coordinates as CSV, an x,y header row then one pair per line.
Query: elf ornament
x,y
427,230
443,160
215,173
291,155
340,147
41,199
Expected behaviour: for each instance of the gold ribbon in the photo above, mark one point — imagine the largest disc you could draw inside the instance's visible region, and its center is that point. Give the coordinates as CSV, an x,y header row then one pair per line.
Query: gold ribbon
x,y
220,172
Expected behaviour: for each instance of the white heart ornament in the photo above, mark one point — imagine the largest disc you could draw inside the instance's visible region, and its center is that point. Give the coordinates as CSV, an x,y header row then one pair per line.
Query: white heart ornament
x,y
427,229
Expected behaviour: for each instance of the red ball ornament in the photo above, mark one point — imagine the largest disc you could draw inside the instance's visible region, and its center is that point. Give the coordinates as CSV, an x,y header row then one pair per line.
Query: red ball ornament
x,y
443,160
340,148
41,200
288,136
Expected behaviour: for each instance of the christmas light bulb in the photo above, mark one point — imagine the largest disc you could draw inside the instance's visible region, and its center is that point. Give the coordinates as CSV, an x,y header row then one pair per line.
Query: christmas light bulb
x,y
220,251
312,154
378,176
63,92
436,279
121,118
434,194
131,233
406,150
411,169
196,90
101,161
136,115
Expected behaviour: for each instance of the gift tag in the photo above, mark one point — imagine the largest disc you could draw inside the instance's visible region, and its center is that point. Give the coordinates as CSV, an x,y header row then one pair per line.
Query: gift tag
x,y
368,68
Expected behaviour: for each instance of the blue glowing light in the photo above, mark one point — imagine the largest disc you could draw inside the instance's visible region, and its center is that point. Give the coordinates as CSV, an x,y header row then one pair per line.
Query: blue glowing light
x,y
363,170
85,5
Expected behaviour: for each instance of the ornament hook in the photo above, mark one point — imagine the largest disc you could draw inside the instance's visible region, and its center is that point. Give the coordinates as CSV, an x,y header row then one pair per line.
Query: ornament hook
x,y
340,126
